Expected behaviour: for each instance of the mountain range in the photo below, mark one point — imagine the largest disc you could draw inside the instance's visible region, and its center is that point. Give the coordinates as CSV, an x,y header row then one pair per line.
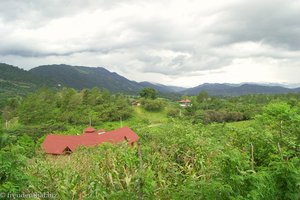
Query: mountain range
x,y
79,77
224,89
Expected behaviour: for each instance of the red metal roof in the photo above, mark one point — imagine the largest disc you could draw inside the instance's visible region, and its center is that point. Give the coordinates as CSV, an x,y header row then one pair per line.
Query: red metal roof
x,y
56,144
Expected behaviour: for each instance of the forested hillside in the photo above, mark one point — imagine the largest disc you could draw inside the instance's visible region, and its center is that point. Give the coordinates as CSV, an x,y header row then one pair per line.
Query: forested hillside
x,y
18,82
80,77
218,89
18,75
87,77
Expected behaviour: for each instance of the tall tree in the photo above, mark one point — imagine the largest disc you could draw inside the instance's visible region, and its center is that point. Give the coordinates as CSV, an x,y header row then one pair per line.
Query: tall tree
x,y
148,93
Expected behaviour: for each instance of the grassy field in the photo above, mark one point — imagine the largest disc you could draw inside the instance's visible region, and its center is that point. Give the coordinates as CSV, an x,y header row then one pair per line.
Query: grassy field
x,y
141,117
152,118
241,124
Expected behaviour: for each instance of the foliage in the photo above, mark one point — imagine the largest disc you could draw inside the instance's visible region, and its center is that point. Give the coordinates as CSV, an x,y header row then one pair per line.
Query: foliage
x,y
179,160
13,159
148,93
99,173
174,112
153,105
79,77
16,82
70,106
202,96
178,157
209,109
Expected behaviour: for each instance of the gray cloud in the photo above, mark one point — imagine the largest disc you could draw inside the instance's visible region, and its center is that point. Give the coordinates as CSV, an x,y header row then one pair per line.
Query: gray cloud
x,y
171,39
275,22
43,10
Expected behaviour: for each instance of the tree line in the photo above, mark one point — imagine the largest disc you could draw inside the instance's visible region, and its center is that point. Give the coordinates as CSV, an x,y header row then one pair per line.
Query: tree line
x,y
68,106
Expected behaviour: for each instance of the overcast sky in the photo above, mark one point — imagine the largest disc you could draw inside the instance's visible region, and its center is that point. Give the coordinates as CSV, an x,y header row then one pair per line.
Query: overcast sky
x,y
178,42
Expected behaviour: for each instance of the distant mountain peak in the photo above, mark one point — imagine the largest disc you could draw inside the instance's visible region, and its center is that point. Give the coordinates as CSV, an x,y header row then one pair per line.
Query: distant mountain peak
x,y
80,77
238,89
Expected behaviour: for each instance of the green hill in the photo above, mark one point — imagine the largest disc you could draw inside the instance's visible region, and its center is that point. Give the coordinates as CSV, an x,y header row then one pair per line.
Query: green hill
x,y
79,77
15,80
16,75
218,89
18,82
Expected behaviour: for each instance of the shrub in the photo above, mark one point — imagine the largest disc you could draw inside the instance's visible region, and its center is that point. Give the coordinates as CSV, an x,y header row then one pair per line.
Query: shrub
x,y
173,112
153,105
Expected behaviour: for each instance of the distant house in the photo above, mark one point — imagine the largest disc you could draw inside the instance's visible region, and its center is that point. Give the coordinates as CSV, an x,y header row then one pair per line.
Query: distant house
x,y
64,144
135,103
185,103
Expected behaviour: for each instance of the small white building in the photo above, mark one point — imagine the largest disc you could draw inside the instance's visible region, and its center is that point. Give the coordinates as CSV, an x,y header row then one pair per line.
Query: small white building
x,y
185,103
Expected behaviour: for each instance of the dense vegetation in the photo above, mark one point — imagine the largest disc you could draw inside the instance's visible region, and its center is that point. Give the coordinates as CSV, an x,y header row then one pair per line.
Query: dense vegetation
x,y
18,82
69,107
149,100
207,109
244,147
87,77
15,74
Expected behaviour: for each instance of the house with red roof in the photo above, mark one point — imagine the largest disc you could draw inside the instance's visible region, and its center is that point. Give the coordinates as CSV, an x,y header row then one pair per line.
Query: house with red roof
x,y
185,103
63,144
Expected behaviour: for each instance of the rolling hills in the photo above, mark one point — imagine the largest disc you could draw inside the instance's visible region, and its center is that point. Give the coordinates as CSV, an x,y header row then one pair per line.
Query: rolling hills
x,y
79,77
217,89
16,80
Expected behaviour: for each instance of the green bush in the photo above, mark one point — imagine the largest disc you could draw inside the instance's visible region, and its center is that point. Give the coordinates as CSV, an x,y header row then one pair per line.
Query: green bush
x,y
153,105
12,176
173,112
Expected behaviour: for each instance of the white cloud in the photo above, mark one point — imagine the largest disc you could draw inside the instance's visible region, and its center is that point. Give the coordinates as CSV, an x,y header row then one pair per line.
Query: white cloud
x,y
174,42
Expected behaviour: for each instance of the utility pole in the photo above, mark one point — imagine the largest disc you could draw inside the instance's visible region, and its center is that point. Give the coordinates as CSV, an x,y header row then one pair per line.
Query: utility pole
x,y
90,121
252,157
281,122
121,122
